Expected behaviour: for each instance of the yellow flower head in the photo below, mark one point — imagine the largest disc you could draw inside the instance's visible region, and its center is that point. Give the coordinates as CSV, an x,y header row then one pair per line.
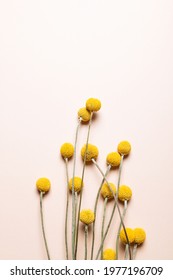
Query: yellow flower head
x,y
106,192
113,159
125,193
77,184
140,235
84,114
93,104
130,234
43,184
67,150
124,148
87,216
109,254
92,152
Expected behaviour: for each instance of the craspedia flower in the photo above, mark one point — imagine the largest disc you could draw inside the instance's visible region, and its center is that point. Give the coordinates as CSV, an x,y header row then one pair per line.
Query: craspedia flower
x,y
92,152
84,114
109,254
124,148
67,150
43,184
87,216
140,236
93,104
106,192
130,234
113,159
125,193
77,184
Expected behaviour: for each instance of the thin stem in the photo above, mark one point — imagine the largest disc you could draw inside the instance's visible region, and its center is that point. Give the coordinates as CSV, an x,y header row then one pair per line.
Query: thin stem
x,y
81,192
73,192
95,210
126,251
103,224
67,206
86,240
116,200
134,251
119,174
119,229
42,224
76,201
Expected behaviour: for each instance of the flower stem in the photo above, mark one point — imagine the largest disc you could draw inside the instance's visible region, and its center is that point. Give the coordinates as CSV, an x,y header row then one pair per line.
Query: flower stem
x,y
86,240
42,224
119,175
119,229
103,223
81,192
67,206
95,210
126,251
134,251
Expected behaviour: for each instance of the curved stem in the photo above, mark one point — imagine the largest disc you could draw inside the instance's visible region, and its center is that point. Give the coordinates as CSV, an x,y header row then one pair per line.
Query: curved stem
x,y
134,251
126,251
95,210
103,223
42,224
119,175
81,192
119,229
86,239
67,206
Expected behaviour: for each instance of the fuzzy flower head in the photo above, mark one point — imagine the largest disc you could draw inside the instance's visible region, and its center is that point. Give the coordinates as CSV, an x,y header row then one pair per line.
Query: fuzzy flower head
x,y
109,254
125,193
77,184
87,216
43,185
113,159
124,148
67,150
140,236
84,114
106,192
92,152
130,234
93,104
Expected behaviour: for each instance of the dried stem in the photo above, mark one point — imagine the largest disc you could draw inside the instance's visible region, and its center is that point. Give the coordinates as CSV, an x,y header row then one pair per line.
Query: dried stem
x,y
103,223
86,240
42,224
67,206
126,251
119,229
134,251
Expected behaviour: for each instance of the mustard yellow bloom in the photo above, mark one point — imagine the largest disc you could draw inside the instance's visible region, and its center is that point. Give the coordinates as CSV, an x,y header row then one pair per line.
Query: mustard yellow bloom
x,y
77,184
43,184
130,234
106,192
124,148
84,114
92,152
113,159
93,104
109,254
67,150
125,193
140,236
87,216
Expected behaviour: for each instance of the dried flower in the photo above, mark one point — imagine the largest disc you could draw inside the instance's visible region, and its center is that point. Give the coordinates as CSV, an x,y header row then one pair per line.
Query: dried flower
x,y
92,152
87,216
130,234
106,192
67,150
84,114
125,193
124,148
77,184
43,184
109,254
113,159
140,236
93,104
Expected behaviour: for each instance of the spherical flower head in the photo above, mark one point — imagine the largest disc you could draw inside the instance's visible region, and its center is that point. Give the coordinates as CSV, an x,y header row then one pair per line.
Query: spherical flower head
x,y
125,193
113,159
109,254
93,104
140,236
77,184
92,152
84,114
87,216
124,148
43,184
67,150
130,234
106,192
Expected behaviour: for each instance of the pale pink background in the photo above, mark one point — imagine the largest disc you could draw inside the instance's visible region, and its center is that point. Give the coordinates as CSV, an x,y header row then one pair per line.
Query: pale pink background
x,y
53,56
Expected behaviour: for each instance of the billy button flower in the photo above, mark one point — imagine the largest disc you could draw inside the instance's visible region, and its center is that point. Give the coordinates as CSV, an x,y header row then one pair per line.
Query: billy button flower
x,y
140,237
109,254
43,186
84,114
93,104
123,238
67,152
86,217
